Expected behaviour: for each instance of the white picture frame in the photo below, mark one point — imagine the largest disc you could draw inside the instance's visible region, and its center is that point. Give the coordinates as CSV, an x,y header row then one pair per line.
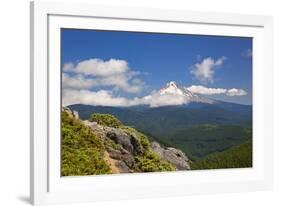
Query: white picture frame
x,y
47,186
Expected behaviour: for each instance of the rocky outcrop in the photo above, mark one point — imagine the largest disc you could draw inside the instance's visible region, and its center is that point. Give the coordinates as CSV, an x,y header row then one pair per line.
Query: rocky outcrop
x,y
138,149
131,146
120,137
174,156
122,148
128,145
74,114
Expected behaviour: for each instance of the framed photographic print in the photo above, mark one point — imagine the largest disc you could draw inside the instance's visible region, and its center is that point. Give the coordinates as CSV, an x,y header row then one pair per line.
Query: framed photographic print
x,y
133,103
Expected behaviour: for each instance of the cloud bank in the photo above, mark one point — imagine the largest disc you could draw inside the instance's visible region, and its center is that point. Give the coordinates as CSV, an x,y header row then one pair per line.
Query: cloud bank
x,y
106,98
98,73
155,99
96,82
199,89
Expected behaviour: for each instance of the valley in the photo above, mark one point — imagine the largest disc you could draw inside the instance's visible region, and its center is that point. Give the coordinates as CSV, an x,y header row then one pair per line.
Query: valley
x,y
198,131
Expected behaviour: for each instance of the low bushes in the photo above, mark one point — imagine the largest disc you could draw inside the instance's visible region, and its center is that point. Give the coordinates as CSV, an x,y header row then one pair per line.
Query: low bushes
x,y
82,150
107,120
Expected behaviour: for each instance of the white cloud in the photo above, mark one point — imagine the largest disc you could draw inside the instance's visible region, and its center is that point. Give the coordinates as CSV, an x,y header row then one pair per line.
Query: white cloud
x,y
76,82
123,82
68,67
106,98
205,71
155,99
96,72
199,89
236,92
101,97
100,68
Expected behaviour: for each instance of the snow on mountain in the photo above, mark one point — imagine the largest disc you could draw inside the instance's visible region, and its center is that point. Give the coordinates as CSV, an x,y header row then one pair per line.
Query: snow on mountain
x,y
172,89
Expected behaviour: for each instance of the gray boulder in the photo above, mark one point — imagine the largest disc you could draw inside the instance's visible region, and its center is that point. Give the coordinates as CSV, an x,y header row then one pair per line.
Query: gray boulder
x,y
114,154
123,168
129,160
128,142
138,149
172,155
120,137
98,129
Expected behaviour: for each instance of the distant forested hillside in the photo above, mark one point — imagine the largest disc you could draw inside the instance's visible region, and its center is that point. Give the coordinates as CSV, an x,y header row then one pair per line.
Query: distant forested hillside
x,y
197,129
200,140
239,156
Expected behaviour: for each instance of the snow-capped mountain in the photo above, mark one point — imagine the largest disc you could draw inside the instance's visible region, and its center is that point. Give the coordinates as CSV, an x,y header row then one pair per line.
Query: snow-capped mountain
x,y
173,89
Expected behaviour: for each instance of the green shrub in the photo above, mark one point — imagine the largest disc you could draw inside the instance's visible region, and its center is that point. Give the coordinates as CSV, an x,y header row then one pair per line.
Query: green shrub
x,y
151,162
76,135
106,120
83,161
111,144
82,150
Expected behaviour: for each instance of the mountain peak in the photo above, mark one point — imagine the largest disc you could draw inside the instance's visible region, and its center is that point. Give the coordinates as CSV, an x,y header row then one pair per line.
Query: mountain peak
x,y
172,89
171,84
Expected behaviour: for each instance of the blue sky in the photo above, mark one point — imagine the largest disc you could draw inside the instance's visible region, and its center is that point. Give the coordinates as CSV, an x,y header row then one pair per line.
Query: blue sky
x,y
150,60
